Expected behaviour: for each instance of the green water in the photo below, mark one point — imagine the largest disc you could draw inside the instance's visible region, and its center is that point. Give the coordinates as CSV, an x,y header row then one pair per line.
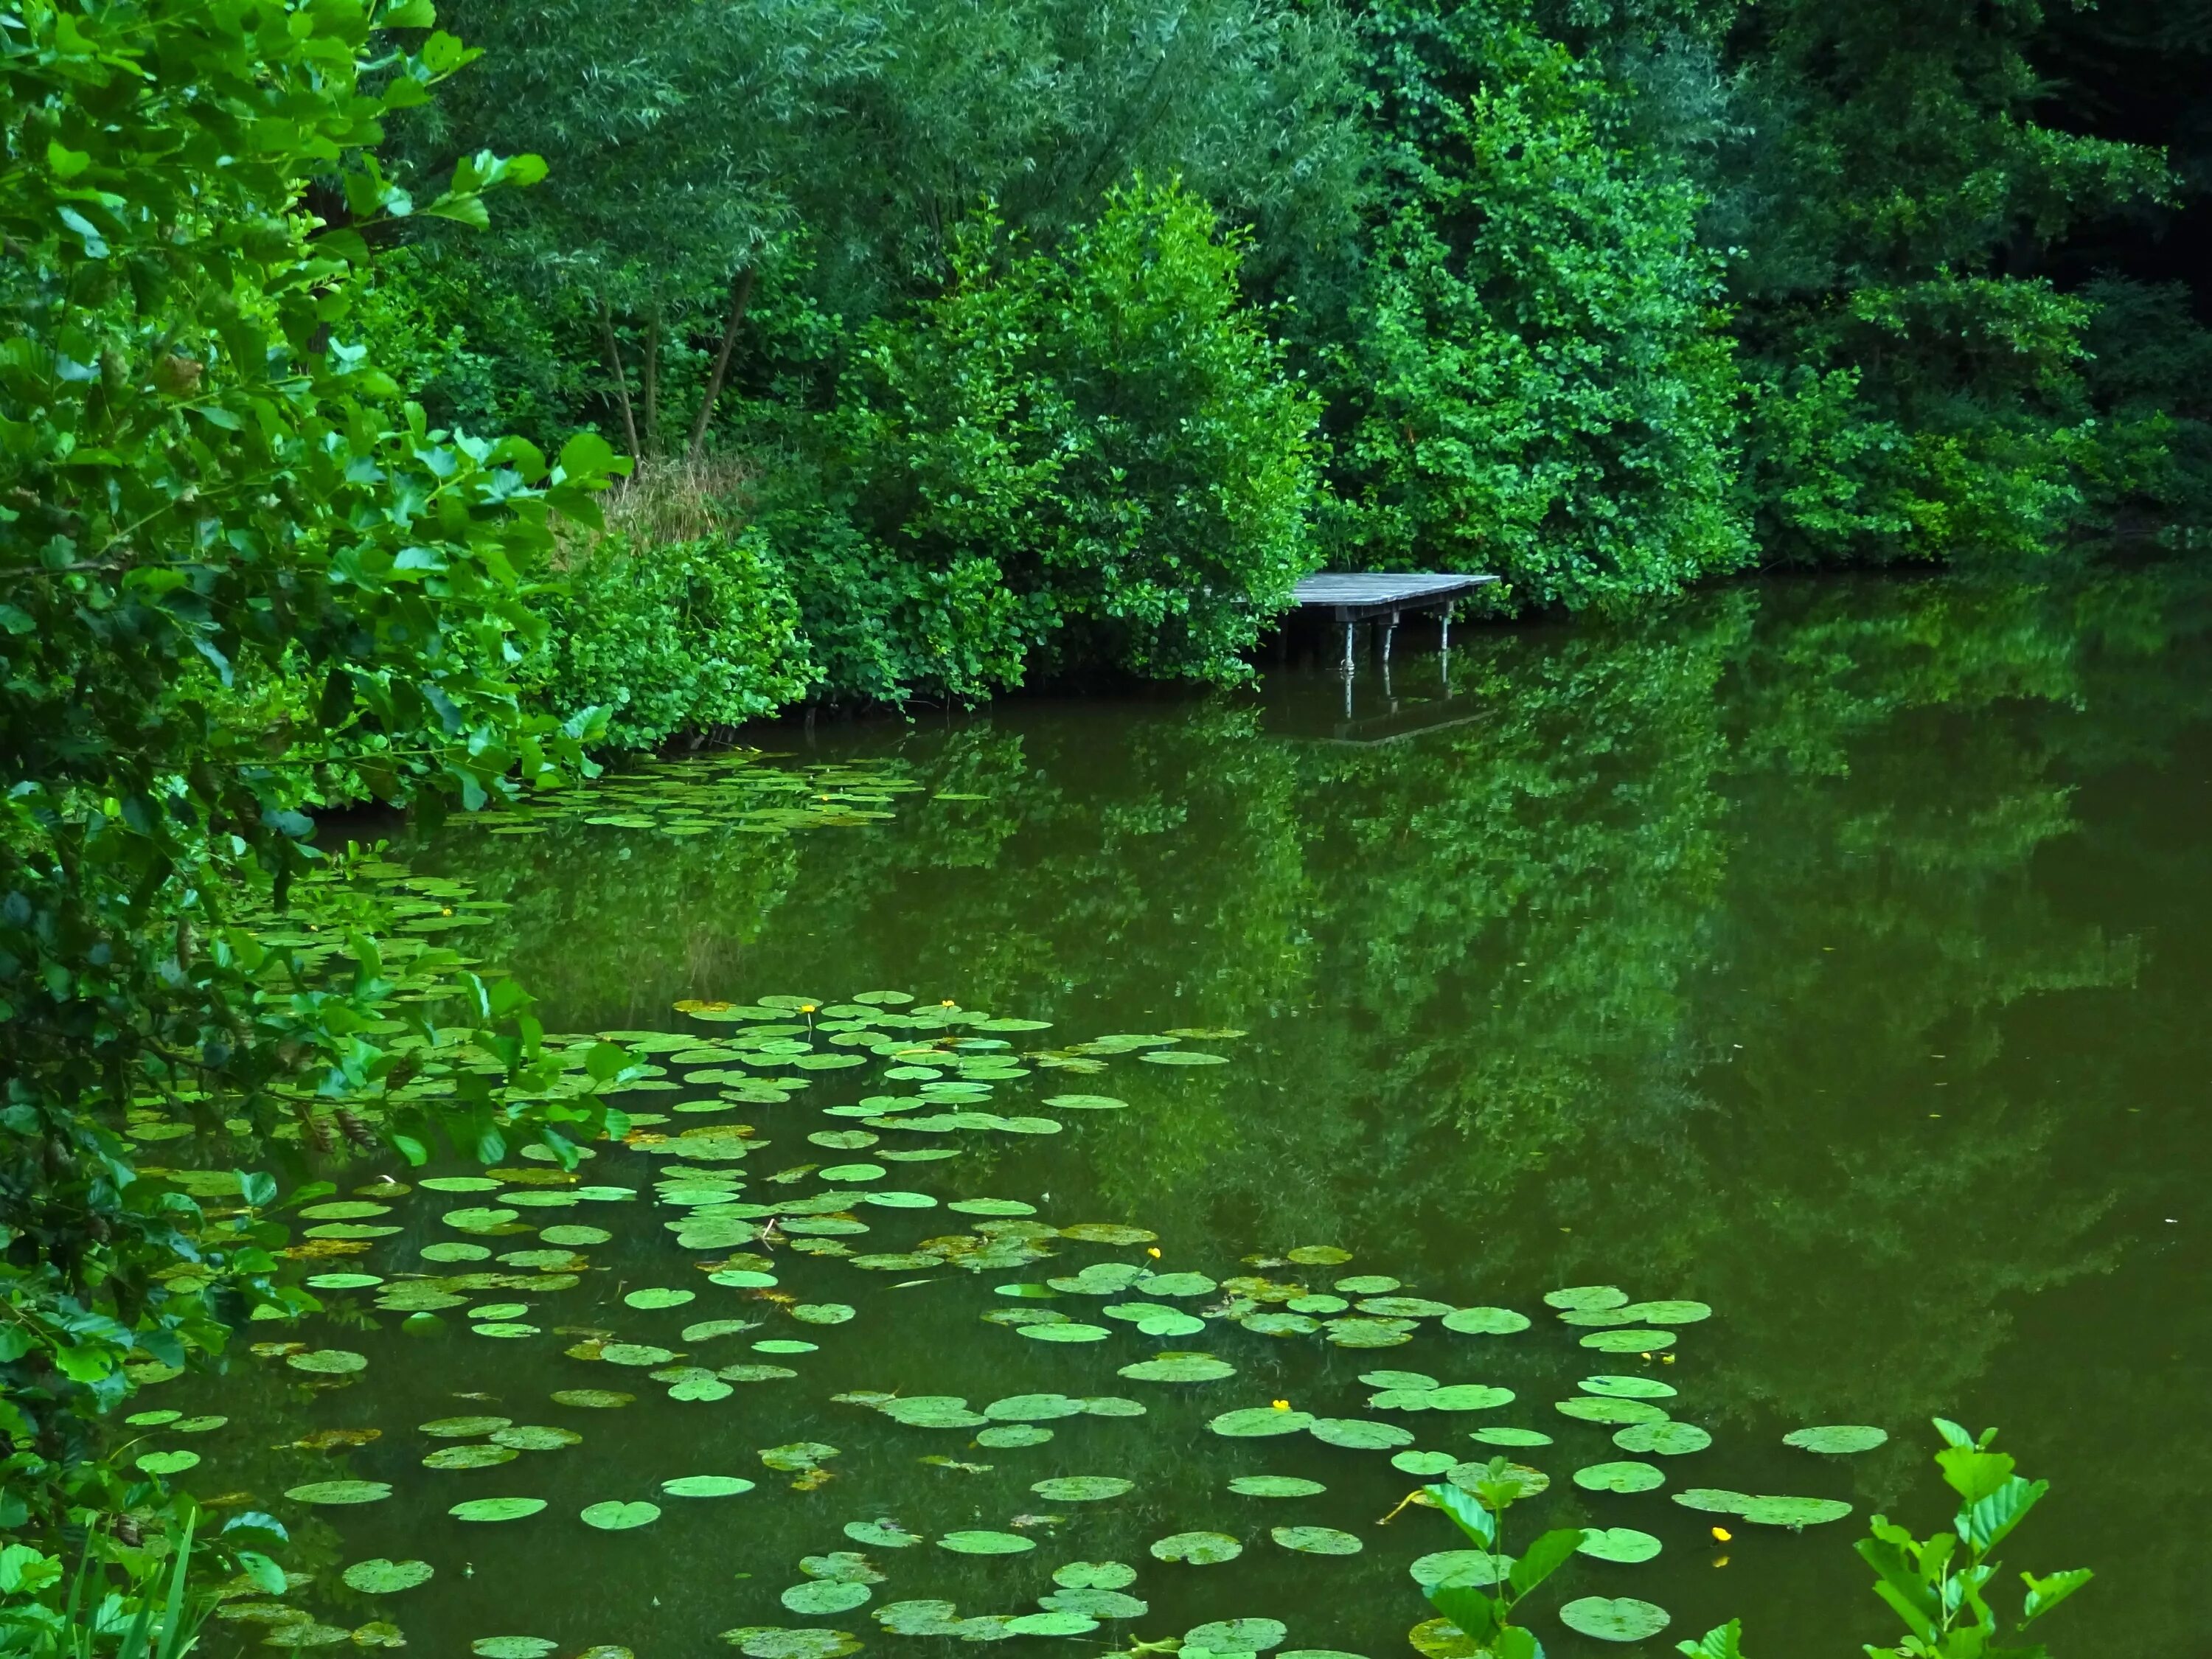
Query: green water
x,y
1835,954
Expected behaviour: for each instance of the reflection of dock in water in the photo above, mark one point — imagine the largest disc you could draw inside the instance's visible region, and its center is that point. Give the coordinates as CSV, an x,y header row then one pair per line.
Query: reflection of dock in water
x,y
1387,706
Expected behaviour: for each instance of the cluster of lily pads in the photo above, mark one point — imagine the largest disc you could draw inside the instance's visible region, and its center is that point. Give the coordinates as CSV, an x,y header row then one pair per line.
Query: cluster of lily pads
x,y
927,1074
728,789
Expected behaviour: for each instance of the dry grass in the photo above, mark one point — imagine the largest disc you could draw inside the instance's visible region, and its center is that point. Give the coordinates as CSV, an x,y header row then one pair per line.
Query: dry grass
x,y
673,500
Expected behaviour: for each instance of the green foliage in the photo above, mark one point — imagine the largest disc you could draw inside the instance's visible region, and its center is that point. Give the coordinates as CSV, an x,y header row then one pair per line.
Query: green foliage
x,y
1529,252
209,492
1088,456
674,637
1484,1617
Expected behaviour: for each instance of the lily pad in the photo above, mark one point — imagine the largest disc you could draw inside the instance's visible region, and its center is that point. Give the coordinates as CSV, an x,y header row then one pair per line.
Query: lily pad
x,y
1064,1331
533,1436
1484,1321
166,1462
339,1491
1713,1500
1236,1635
507,1647
591,1399
1582,1297
1051,1623
1615,1413
1010,1435
819,1597
1506,1437
496,1508
1316,1540
614,1514
883,1534
1624,1476
1179,1367
1255,1421
1094,1574
982,1541
1623,1544
328,1362
1667,1439
1839,1439
469,1457
1356,1434
706,1486
381,1576
768,1643
1426,1464
1628,1388
1469,1397
1199,1549
636,1353
1615,1618
1081,1488
1629,1341
822,1312
1032,1408
1668,1313
657,1297
1276,1486
1794,1513
1461,1569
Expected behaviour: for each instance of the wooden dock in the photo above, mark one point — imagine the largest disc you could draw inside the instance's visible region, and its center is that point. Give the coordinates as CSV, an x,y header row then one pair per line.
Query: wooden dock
x,y
1349,599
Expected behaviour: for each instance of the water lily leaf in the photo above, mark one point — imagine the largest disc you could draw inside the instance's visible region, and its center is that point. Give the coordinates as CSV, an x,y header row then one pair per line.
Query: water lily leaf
x,y
1367,1334
469,1457
1369,1285
635,1353
1794,1511
458,1184
1461,1569
798,1455
1624,1476
768,1643
503,1330
1316,1540
1623,1544
1630,1341
1316,1255
1010,1435
1667,1439
1276,1486
819,1597
591,1399
656,1297
1839,1439
1110,1232
1484,1321
1086,1103
613,1514
1051,1623
991,1206
785,1345
706,1486
1505,1436
1424,1463
1111,1404
496,1508
1032,1408
511,1647
1667,1312
1176,1285
982,1541
1064,1331
1628,1388
892,1198
708,1329
381,1576
1080,1488
1355,1434
822,1312
1469,1397
883,1533
1199,1549
339,1491
1580,1298
1404,1307
328,1362
1440,1638
482,1219
1596,1408
1616,1618
1236,1635
571,1235
854,1174
166,1462
1713,1500
1182,1057
343,1281
1254,1421
1259,1324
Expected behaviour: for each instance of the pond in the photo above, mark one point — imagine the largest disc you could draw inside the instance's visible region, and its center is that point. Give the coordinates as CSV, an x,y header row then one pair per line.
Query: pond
x,y
1831,959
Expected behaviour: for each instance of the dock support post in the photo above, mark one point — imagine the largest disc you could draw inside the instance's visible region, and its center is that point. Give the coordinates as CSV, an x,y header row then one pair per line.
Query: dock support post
x,y
1388,628
1347,665
1446,646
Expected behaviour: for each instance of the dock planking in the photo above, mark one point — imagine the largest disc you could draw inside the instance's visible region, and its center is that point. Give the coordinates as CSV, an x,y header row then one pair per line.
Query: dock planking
x,y
1349,598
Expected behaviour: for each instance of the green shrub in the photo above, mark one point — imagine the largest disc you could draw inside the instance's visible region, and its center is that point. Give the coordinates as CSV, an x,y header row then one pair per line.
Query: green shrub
x,y
1087,456
1534,382
672,638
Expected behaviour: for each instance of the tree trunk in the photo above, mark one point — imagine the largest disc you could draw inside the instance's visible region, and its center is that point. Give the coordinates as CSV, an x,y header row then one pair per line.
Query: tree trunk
x,y
741,291
652,384
621,378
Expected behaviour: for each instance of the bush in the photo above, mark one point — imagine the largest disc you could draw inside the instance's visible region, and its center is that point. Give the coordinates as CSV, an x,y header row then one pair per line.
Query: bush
x,y
1089,456
672,638
1535,381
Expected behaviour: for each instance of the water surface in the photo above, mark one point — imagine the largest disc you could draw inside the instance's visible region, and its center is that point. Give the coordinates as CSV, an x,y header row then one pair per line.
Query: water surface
x,y
1837,954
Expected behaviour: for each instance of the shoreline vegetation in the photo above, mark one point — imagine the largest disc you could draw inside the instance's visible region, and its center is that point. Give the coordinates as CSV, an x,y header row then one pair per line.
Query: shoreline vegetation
x,y
947,346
